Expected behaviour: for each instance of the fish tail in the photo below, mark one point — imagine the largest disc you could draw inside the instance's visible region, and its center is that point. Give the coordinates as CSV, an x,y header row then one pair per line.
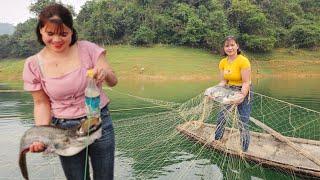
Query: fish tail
x,y
23,163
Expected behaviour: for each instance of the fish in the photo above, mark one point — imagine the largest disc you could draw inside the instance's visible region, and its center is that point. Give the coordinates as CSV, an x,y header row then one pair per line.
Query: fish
x,y
89,125
64,142
223,95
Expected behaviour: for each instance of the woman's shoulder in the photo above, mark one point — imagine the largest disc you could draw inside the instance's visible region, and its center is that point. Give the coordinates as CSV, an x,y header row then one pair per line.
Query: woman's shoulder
x,y
84,42
243,61
87,44
224,59
31,65
242,57
32,60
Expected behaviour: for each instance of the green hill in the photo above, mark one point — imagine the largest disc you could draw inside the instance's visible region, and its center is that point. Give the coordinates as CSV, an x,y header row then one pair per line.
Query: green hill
x,y
163,62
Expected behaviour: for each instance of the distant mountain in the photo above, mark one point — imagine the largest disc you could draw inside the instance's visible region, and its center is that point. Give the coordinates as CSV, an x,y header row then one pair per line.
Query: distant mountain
x,y
6,28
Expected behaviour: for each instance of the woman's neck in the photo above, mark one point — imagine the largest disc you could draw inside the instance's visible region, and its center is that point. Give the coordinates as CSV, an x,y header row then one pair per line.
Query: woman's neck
x,y
232,57
58,55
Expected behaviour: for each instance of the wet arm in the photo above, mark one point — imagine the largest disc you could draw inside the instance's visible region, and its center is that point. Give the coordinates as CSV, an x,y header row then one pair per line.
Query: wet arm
x,y
245,75
42,109
110,78
222,82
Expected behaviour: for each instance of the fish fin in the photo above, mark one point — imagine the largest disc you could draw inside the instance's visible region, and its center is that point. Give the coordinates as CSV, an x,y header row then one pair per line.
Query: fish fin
x,y
23,163
49,150
77,127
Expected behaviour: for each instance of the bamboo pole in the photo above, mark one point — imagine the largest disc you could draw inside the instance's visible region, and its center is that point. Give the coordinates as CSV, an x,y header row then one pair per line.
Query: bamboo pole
x,y
280,137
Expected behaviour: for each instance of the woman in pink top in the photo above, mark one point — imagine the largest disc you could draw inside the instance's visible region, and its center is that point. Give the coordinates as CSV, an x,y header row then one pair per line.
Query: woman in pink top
x,y
56,78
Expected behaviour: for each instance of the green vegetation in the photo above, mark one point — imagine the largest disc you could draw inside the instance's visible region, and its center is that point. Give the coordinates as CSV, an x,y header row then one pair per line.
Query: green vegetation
x,y
11,70
163,62
260,25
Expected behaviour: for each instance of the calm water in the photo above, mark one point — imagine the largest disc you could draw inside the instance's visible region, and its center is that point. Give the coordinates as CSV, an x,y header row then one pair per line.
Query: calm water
x,y
177,158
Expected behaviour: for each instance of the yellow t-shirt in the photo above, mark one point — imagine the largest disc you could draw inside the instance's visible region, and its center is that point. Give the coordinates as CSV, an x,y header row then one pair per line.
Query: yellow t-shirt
x,y
232,71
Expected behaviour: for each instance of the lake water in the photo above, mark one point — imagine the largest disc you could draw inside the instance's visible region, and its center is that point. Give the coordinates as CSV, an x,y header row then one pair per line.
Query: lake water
x,y
148,147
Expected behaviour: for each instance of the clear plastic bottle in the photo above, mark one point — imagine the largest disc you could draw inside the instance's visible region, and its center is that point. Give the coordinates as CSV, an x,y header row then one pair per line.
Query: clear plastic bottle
x,y
92,101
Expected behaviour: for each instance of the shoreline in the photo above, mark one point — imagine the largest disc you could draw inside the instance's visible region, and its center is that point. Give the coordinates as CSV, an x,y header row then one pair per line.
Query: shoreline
x,y
166,63
193,77
206,77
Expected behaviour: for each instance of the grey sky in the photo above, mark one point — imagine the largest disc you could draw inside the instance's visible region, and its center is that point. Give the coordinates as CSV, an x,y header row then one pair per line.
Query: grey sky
x,y
16,11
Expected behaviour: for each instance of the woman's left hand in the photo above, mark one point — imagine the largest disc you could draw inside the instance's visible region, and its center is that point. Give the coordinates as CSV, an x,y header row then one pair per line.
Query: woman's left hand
x,y
100,74
238,99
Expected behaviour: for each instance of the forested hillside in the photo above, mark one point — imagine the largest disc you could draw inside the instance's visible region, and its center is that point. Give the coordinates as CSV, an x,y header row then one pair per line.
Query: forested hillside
x,y
260,25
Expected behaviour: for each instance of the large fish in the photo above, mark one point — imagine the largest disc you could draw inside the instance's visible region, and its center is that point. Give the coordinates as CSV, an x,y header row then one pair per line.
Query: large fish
x,y
64,142
223,94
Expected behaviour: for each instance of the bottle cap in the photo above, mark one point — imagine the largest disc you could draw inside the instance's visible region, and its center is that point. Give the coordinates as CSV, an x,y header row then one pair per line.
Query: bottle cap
x,y
90,73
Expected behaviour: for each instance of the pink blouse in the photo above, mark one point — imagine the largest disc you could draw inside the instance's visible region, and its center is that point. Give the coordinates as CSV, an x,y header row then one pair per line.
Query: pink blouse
x,y
66,93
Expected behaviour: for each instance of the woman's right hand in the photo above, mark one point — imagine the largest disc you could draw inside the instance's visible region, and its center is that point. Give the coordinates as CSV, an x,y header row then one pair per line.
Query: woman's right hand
x,y
37,147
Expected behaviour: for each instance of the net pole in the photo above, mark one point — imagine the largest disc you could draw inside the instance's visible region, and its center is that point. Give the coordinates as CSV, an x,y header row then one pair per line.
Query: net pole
x,y
282,138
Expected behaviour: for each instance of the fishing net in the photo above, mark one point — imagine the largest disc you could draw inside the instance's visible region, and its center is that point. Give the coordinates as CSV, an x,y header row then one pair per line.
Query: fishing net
x,y
149,146
157,150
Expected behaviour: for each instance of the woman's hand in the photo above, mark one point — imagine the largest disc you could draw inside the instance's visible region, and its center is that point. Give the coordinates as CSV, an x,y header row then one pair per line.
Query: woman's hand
x,y
100,74
104,73
37,147
238,98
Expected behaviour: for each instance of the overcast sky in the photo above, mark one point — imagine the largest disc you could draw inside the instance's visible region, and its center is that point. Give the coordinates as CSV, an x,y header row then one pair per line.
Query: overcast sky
x,y
16,11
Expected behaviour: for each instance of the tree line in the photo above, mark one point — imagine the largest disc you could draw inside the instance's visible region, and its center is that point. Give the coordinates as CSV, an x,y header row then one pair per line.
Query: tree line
x,y
260,25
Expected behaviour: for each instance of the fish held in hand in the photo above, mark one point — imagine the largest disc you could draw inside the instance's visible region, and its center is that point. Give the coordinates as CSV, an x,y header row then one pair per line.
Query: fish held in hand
x,y
224,95
89,125
64,142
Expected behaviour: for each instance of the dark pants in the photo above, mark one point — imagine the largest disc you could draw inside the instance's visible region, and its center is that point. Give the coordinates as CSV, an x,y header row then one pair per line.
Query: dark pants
x,y
244,110
101,152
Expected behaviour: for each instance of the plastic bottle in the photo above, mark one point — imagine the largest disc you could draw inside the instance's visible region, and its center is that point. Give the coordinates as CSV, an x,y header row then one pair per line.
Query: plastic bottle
x,y
92,101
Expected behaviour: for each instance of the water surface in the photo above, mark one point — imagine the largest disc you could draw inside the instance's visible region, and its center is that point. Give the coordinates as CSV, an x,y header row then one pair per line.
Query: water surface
x,y
148,147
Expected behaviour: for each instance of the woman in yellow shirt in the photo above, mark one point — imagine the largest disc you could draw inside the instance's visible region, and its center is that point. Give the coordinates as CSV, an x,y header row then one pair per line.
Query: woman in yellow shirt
x,y
235,72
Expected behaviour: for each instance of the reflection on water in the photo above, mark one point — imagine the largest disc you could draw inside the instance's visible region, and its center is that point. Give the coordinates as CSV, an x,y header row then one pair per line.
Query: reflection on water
x,y
177,157
197,169
303,92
